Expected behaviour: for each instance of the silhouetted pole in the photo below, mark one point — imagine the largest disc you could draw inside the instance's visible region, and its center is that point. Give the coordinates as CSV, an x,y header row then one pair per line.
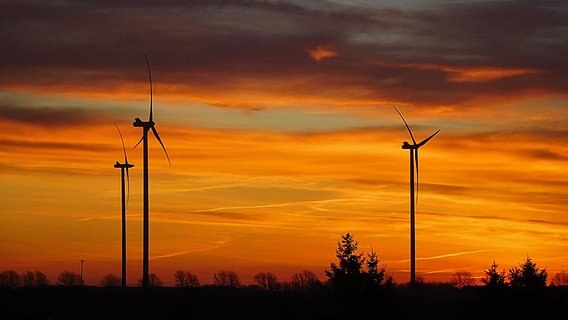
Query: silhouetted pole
x,y
146,217
82,271
123,229
413,148
412,222
146,126
123,167
145,266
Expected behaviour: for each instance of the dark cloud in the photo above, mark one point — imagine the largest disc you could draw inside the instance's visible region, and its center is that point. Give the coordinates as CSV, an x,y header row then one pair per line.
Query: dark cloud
x,y
544,154
50,145
47,116
216,44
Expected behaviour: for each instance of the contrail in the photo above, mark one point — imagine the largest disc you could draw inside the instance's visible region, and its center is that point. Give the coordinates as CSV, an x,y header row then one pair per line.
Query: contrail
x,y
181,253
273,205
105,218
448,255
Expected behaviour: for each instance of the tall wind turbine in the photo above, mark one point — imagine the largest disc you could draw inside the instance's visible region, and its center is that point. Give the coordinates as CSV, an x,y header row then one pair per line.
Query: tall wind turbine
x,y
123,167
413,148
147,126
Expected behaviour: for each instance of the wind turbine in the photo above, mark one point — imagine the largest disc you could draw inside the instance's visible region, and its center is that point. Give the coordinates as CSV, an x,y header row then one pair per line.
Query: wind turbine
x,y
147,126
123,167
413,159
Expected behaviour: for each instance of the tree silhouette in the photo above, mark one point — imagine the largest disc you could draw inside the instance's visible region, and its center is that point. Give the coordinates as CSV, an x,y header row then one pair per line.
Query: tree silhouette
x,y
153,281
111,281
493,278
34,279
266,280
527,275
28,279
9,279
226,279
305,280
186,279
462,279
376,276
349,274
69,279
560,279
41,279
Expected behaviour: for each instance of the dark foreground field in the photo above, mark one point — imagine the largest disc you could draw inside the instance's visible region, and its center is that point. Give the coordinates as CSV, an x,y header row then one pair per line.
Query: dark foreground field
x,y
426,302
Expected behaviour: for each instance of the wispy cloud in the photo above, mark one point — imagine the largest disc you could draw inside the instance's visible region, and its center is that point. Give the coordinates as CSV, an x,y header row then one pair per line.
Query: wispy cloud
x,y
51,116
447,255
273,205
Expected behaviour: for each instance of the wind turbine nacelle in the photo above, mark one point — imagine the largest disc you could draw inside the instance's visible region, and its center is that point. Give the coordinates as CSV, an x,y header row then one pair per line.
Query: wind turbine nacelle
x,y
406,145
143,124
138,123
123,165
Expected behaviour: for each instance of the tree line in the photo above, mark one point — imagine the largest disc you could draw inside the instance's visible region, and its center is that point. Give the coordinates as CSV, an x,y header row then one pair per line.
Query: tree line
x,y
304,280
353,272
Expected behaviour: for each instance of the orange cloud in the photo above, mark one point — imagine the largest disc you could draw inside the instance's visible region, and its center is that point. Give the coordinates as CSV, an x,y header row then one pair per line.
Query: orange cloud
x,y
322,51
486,74
465,74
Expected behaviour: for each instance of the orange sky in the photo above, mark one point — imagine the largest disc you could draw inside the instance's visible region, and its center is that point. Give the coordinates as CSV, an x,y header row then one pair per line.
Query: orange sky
x,y
280,125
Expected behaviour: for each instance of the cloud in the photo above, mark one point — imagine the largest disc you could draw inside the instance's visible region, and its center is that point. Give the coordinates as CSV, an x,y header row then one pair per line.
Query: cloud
x,y
245,53
544,154
321,52
50,145
52,117
447,255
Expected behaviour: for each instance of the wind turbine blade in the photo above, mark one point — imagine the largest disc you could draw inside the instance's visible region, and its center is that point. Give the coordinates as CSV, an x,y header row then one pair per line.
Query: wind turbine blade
x,y
138,142
160,141
151,93
428,139
406,124
123,146
128,186
417,178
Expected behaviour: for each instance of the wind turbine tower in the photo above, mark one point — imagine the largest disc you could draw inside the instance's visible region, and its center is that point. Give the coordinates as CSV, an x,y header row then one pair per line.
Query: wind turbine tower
x,y
147,126
413,148
82,261
123,168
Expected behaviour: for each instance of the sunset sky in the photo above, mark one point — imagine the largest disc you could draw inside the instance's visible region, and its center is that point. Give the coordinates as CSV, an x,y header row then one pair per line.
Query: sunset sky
x,y
279,120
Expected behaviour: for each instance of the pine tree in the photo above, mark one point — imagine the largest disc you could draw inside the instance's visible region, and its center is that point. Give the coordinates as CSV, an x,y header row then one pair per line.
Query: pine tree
x,y
527,275
348,274
375,274
494,278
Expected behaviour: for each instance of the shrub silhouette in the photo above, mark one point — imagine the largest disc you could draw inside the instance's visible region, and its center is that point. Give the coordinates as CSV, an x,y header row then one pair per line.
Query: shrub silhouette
x,y
226,279
527,275
560,279
111,281
9,279
34,279
305,280
153,281
185,279
266,281
69,279
462,279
